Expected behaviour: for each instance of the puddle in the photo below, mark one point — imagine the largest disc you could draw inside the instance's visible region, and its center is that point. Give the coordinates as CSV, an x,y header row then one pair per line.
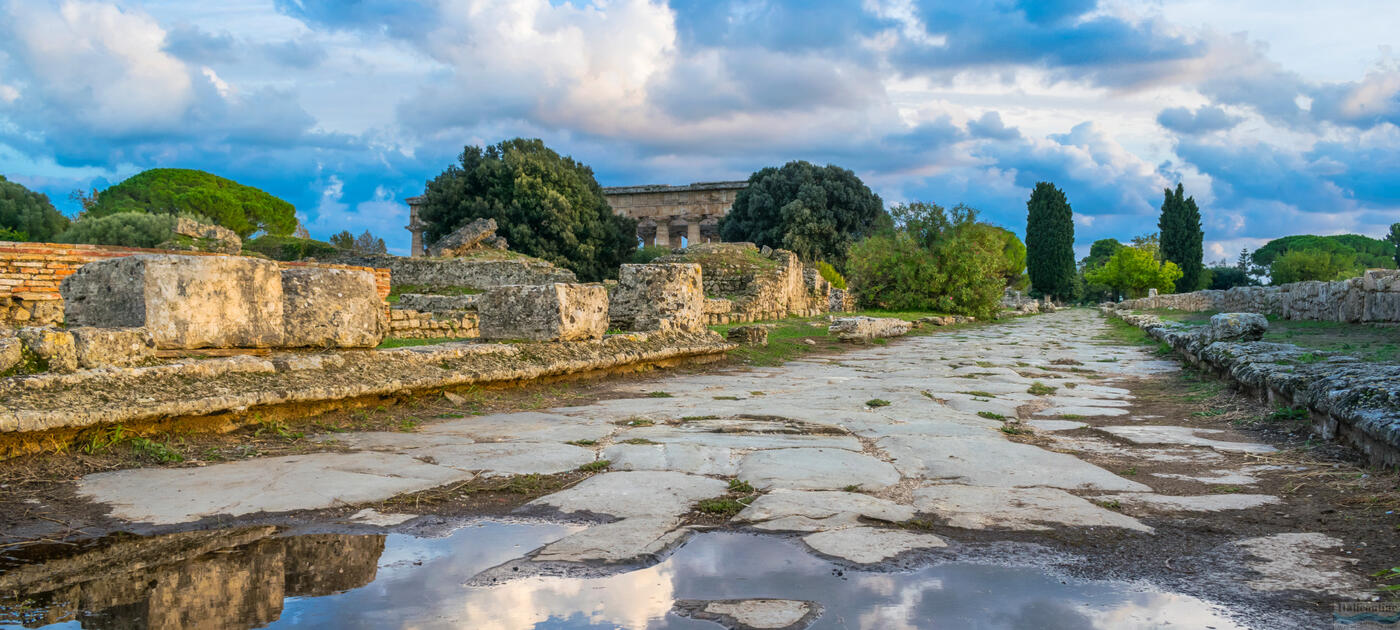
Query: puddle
x,y
250,578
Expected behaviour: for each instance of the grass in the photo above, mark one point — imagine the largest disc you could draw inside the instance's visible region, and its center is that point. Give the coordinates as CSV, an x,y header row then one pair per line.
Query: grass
x,y
725,397
877,402
1015,429
991,415
1111,504
722,506
741,486
597,466
1368,342
659,395
638,441
1288,414
400,342
979,393
787,338
1040,389
583,442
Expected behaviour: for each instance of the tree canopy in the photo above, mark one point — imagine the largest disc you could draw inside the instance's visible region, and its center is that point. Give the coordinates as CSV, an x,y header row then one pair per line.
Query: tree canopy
x,y
1394,239
1050,242
933,260
127,229
364,244
1222,278
817,212
1181,237
174,191
545,205
26,215
1299,265
1365,252
1133,270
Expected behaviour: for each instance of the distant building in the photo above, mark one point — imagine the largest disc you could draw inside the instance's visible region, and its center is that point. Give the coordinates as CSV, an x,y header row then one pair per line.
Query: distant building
x,y
666,214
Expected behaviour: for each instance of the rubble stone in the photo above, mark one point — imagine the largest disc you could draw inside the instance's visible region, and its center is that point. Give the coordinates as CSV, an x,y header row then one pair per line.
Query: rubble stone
x,y
665,296
52,346
863,328
749,335
103,347
464,239
1237,327
326,308
550,312
186,302
10,353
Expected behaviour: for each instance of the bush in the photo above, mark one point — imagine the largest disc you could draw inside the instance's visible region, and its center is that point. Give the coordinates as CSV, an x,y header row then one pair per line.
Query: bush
x,y
647,254
1134,270
27,215
1298,265
1222,278
831,275
289,247
126,229
171,191
931,262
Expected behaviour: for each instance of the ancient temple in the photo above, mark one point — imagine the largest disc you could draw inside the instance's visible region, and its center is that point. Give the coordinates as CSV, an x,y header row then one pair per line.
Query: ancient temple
x,y
667,214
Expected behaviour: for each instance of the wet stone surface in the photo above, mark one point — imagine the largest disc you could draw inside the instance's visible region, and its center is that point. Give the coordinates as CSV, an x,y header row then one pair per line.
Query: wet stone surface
x,y
926,479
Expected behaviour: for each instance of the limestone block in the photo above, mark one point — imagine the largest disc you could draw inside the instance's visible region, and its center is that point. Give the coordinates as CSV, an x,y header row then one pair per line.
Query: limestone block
x,y
331,308
185,301
52,346
658,297
10,354
438,303
854,328
547,312
102,347
1236,327
1381,280
749,335
464,239
203,237
1382,306
718,306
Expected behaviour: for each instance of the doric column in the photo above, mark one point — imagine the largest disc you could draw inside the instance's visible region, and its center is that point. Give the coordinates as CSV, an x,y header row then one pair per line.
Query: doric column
x,y
646,231
692,231
415,227
663,234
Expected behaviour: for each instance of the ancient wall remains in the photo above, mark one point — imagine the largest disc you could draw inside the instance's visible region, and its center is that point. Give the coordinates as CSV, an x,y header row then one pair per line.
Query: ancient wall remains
x,y
463,272
1373,297
758,284
407,323
30,275
666,214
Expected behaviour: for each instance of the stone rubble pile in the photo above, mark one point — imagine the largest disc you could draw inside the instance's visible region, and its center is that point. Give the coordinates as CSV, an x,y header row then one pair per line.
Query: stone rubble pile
x,y
475,236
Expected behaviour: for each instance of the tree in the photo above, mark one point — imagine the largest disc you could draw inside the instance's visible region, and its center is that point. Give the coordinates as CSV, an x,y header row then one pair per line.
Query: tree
x,y
933,260
1299,265
173,191
1099,254
1180,225
1365,251
1394,239
1013,253
1228,277
26,215
364,245
545,205
343,240
127,229
1134,270
816,212
1050,241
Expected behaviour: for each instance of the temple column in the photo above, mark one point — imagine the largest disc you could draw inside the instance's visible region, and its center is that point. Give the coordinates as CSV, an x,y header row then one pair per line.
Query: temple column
x,y
692,231
663,235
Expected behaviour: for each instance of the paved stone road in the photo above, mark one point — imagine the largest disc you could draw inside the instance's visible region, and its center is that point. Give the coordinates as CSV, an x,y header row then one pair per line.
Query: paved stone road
x,y
806,434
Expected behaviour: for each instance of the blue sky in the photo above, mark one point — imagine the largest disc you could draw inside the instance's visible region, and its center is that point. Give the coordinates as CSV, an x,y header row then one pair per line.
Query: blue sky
x,y
1279,116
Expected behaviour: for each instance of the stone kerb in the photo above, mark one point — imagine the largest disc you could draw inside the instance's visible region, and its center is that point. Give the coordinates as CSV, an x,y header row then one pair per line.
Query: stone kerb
x,y
331,308
663,296
549,312
185,302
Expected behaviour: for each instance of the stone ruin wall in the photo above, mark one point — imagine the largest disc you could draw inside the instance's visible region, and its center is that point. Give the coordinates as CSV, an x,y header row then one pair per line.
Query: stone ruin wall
x,y
30,275
1373,297
738,290
462,272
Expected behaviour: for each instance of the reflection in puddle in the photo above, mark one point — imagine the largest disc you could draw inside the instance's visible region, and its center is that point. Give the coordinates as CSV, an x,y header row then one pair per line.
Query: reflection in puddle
x,y
250,578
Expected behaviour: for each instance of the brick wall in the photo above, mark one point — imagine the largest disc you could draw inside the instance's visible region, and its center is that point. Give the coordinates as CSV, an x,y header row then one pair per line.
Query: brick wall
x,y
30,274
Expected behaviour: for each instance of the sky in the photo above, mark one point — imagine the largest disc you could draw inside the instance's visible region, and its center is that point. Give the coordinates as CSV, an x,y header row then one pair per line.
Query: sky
x,y
1279,116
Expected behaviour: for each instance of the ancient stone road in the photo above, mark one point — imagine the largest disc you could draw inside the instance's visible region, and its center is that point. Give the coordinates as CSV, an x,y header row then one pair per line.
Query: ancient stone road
x,y
831,461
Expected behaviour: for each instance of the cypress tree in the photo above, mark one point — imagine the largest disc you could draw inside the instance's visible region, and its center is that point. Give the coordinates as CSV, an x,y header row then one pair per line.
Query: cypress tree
x,y
1050,242
1180,225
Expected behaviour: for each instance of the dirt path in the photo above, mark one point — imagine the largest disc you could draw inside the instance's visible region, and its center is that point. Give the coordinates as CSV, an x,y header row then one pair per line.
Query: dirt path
x,y
1041,431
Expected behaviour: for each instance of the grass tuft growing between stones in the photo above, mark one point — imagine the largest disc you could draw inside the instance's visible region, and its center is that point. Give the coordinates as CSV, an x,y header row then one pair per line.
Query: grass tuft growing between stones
x,y
1011,428
722,506
597,466
979,393
659,395
877,402
990,415
1040,389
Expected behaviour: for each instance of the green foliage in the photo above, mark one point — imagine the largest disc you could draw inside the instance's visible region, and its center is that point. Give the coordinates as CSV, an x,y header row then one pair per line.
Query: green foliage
x,y
1133,270
1040,389
127,229
1180,226
1366,252
934,261
1298,265
546,205
365,244
595,466
1050,241
877,402
1013,252
831,275
27,215
644,255
1394,239
289,247
817,212
1102,250
172,191
1228,278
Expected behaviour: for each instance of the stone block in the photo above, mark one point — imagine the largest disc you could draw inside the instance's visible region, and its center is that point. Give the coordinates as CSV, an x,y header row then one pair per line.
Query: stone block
x,y
10,353
103,347
331,308
53,347
548,312
464,239
186,302
749,335
1387,280
658,297
1236,327
191,235
438,303
859,328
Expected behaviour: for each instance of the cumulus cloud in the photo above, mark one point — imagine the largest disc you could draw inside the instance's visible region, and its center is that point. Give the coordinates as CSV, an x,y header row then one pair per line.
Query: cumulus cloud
x,y
1203,120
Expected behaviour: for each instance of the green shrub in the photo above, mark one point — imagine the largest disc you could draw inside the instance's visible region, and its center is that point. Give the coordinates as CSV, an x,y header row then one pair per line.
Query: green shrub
x,y
831,275
172,191
289,247
7,234
647,254
127,229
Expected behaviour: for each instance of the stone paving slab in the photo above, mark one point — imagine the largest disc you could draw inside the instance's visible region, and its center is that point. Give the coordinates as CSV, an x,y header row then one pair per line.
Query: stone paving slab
x,y
508,458
1188,436
815,469
632,494
978,507
995,462
868,545
818,510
